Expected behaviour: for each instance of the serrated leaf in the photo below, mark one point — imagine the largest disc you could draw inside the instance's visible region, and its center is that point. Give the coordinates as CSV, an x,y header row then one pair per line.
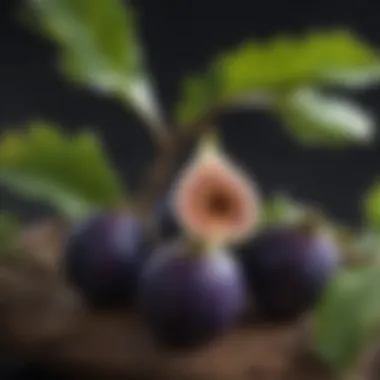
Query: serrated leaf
x,y
371,206
70,172
100,48
315,119
348,317
289,62
280,64
9,229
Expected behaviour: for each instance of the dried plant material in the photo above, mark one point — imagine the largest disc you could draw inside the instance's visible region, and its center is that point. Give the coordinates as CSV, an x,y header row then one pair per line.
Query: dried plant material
x,y
43,243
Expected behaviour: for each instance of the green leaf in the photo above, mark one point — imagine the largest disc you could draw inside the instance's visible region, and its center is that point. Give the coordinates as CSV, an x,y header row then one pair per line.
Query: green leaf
x,y
367,246
9,229
100,48
354,79
278,65
282,209
371,206
315,119
289,62
348,317
199,95
71,173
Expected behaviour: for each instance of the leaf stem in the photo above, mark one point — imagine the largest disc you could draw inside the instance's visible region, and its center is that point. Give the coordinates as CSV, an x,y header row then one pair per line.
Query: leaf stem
x,y
158,131
145,106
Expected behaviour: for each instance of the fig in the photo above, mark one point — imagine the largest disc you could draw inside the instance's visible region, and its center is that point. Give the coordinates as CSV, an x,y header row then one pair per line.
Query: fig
x,y
287,268
213,199
189,297
103,257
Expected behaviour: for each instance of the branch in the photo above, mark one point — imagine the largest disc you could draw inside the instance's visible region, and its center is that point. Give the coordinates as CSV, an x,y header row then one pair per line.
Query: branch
x,y
159,174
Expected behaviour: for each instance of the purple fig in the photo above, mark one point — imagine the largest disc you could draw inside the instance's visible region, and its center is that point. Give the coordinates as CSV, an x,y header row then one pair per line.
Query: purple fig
x,y
189,298
103,257
287,268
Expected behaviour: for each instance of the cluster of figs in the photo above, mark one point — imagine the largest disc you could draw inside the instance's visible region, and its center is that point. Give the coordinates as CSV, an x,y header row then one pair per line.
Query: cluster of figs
x,y
214,265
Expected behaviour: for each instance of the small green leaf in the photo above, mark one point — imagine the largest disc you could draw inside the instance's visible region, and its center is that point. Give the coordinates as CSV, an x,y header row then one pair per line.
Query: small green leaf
x,y
100,48
367,247
348,317
70,172
315,119
281,209
371,206
278,65
9,229
199,95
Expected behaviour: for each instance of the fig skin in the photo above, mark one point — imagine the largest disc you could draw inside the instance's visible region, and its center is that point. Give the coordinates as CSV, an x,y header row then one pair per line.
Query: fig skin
x,y
188,299
287,269
103,257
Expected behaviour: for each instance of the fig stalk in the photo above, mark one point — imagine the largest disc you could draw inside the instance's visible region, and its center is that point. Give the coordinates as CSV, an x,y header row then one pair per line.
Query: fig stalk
x,y
158,175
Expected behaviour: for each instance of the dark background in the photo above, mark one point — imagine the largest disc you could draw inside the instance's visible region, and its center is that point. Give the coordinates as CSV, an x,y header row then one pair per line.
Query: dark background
x,y
181,36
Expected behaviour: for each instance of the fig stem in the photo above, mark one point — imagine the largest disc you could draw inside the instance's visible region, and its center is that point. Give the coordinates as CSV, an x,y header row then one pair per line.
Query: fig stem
x,y
312,222
160,172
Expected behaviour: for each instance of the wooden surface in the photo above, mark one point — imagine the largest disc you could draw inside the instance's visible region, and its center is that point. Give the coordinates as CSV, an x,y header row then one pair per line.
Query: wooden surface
x,y
41,318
